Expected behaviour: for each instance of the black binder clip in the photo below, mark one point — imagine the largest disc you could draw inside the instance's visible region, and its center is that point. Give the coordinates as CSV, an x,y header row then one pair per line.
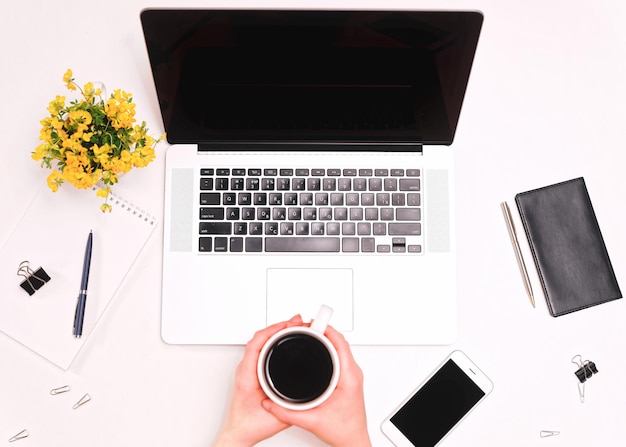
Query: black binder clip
x,y
585,370
34,280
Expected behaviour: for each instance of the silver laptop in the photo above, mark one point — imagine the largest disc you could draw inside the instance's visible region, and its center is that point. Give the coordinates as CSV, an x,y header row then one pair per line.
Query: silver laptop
x,y
310,164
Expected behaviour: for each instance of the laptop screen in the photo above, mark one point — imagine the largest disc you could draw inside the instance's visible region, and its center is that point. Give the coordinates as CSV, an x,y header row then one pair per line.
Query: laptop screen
x,y
310,76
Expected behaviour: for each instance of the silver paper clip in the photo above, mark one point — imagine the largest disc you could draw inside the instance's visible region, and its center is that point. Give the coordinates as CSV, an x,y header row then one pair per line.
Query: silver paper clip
x,y
585,370
21,435
83,400
60,390
548,433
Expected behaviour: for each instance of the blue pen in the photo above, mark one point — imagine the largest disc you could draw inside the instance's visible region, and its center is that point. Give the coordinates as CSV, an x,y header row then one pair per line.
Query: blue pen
x,y
79,316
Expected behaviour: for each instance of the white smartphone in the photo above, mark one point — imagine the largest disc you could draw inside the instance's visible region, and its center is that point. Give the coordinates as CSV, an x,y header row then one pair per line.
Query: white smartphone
x,y
430,412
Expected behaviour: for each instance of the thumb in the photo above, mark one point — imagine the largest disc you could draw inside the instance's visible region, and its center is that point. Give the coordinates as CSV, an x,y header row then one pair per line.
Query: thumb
x,y
282,414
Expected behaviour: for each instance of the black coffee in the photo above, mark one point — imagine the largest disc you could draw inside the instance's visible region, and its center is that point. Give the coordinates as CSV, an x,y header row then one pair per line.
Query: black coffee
x,y
298,368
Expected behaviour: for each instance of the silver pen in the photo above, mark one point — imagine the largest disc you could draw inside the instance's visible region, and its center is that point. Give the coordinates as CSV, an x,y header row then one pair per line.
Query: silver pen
x,y
518,252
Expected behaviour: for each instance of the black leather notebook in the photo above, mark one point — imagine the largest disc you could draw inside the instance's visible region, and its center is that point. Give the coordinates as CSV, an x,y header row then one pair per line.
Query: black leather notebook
x,y
567,246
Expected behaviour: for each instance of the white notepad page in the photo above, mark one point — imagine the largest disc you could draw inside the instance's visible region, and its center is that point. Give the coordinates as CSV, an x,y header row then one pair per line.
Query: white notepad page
x,y
53,234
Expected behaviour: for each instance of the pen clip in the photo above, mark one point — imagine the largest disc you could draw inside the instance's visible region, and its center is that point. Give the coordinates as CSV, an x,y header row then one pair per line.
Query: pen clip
x,y
76,314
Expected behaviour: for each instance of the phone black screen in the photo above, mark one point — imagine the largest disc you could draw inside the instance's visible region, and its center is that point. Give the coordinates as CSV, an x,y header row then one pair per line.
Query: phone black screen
x,y
437,406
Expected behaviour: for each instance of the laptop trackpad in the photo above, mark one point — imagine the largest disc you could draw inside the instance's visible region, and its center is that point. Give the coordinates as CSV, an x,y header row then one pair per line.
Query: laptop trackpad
x,y
303,291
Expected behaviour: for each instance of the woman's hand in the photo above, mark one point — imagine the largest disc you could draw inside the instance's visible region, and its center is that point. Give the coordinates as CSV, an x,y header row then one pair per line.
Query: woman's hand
x,y
341,420
247,422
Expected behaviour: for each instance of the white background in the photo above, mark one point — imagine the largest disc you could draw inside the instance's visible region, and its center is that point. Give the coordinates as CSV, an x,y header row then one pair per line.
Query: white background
x,y
545,103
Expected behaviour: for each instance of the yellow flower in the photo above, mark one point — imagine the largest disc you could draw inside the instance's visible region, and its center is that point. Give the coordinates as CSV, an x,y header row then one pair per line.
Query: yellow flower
x,y
71,143
103,192
120,109
40,152
100,150
142,156
71,161
137,160
111,177
45,135
92,140
77,177
56,123
55,179
56,105
82,118
69,80
89,90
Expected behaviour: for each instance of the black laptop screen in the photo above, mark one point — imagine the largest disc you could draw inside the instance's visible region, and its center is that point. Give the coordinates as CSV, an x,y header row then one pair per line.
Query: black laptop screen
x,y
310,76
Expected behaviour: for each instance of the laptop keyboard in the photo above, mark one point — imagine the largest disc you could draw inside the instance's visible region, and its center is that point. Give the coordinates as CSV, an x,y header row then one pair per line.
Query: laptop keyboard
x,y
310,210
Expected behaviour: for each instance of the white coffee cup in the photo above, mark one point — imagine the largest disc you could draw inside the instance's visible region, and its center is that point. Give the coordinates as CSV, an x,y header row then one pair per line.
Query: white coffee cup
x,y
298,367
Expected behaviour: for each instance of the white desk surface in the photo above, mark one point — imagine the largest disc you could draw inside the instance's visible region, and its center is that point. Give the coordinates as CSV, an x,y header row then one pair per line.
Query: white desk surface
x,y
546,102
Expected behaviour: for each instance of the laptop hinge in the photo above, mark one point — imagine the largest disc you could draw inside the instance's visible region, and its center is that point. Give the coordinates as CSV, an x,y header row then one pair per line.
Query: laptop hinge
x,y
309,147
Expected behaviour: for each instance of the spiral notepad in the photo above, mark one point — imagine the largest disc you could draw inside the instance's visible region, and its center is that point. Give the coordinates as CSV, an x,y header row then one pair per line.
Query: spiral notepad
x,y
52,235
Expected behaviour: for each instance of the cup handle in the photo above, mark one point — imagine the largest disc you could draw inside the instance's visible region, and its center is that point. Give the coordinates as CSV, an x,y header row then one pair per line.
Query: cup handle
x,y
321,320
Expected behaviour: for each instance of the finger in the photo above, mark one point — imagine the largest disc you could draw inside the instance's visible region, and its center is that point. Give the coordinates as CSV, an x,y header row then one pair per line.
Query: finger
x,y
304,419
337,338
261,336
253,348
340,343
349,366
